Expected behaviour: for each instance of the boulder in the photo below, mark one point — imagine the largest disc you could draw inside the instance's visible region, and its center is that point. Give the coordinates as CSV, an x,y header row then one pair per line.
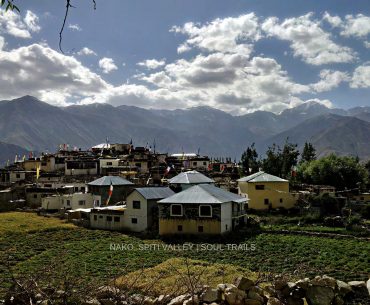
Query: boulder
x,y
223,287
293,301
280,282
91,302
338,300
234,296
192,301
298,293
179,300
107,302
254,295
243,283
211,295
325,280
148,301
359,288
368,285
319,295
304,283
343,288
106,292
274,301
288,289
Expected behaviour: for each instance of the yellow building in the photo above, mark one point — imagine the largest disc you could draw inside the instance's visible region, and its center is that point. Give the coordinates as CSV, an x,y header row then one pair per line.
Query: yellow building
x,y
363,197
266,191
201,209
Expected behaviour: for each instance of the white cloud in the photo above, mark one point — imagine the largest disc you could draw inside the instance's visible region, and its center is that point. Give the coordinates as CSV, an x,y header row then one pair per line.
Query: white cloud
x,y
228,35
330,80
367,44
334,21
86,51
152,63
75,27
12,24
358,26
308,40
31,20
361,77
2,43
107,65
40,71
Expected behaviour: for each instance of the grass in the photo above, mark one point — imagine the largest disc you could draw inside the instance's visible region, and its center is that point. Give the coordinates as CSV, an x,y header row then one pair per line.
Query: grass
x,y
28,243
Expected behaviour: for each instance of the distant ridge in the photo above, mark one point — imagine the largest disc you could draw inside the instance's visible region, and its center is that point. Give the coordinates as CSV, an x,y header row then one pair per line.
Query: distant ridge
x,y
35,125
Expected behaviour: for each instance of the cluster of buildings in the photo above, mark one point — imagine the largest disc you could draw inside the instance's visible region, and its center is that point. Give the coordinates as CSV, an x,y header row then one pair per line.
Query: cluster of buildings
x,y
127,188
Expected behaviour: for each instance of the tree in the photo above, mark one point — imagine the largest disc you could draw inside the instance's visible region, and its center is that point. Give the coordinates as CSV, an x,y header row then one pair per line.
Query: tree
x,y
249,161
279,162
308,153
340,172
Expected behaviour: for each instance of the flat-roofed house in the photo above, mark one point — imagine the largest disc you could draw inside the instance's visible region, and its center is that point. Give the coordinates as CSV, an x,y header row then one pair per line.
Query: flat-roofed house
x,y
188,179
142,207
266,191
108,218
121,188
201,209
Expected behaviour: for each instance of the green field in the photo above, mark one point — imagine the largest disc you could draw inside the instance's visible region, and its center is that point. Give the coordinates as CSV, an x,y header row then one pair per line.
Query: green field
x,y
29,243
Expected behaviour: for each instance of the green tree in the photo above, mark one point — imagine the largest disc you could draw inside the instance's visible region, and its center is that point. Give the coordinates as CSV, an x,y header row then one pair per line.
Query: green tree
x,y
272,163
249,160
308,153
340,172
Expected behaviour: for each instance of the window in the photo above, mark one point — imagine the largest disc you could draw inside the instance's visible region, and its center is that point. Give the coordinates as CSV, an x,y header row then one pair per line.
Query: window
x,y
109,218
100,216
362,198
97,202
68,202
266,201
200,229
81,202
95,217
281,200
18,176
136,204
204,163
194,163
260,187
35,196
179,228
205,211
117,219
76,189
176,209
133,220
109,163
83,189
226,227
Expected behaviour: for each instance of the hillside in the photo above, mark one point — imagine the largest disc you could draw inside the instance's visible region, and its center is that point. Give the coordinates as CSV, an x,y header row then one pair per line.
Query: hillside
x,y
8,152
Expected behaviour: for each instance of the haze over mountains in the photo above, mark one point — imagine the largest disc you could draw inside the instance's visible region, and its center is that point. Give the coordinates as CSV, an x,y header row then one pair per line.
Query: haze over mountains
x,y
38,126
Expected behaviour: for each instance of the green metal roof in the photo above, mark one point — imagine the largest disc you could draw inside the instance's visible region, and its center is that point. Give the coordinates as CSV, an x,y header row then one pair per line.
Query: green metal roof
x,y
261,177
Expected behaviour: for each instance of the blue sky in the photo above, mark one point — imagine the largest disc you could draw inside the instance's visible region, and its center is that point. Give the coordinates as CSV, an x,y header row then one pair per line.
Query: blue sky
x,y
237,56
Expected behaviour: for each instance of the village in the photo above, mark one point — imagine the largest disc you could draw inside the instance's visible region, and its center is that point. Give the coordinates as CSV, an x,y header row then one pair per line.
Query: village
x,y
120,187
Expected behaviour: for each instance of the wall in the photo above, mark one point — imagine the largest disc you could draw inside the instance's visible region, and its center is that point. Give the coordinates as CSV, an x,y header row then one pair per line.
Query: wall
x,y
140,214
98,220
52,203
226,217
189,226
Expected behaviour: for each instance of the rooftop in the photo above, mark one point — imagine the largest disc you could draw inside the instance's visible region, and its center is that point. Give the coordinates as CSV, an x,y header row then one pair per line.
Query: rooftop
x,y
203,193
191,177
108,180
261,177
155,192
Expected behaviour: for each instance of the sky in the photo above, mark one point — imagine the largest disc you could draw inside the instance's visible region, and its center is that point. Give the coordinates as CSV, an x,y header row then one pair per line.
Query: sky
x,y
238,56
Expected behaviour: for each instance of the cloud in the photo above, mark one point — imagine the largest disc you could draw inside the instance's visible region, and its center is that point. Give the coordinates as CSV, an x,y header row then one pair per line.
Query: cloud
x,y
152,63
86,51
358,26
361,77
2,43
367,44
308,40
334,21
39,70
31,20
12,24
330,80
228,35
107,65
74,27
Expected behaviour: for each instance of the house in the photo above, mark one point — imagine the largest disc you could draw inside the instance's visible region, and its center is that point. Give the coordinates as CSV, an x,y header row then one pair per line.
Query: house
x,y
108,218
201,209
82,166
142,209
266,191
121,188
188,179
362,197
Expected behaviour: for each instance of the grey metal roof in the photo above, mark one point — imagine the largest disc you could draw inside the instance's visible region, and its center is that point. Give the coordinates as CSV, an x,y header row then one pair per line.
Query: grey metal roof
x,y
108,180
261,177
203,193
155,192
190,177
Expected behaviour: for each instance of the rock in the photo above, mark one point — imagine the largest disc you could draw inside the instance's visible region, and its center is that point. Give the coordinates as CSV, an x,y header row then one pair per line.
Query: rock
x,y
319,295
179,300
343,288
303,283
234,296
252,302
298,293
359,288
280,282
106,302
192,301
293,301
160,299
253,295
149,301
368,285
106,292
223,287
338,300
274,301
288,289
60,293
243,283
325,280
211,295
91,302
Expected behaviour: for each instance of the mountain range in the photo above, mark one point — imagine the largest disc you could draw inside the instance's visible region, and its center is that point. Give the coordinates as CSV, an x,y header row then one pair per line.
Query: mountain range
x,y
33,125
